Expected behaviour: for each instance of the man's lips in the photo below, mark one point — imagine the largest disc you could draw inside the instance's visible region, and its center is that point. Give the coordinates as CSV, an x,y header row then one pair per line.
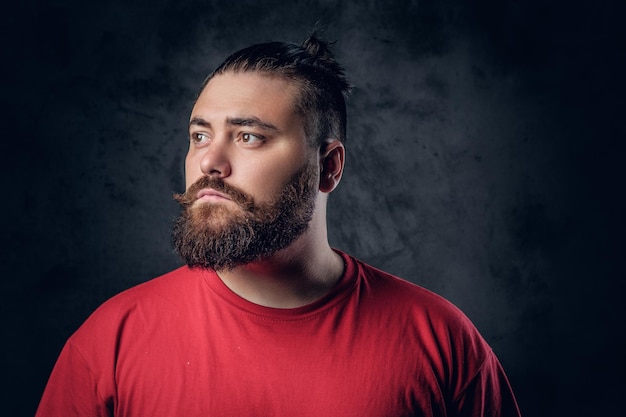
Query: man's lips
x,y
208,194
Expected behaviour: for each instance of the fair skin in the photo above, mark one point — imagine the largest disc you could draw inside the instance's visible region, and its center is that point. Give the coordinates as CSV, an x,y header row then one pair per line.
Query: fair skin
x,y
244,130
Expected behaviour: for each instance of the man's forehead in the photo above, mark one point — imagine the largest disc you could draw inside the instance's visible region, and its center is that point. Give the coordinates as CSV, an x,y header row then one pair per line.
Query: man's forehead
x,y
248,94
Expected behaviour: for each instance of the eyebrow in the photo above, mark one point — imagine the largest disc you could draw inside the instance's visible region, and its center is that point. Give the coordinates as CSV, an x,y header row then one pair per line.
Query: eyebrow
x,y
198,121
237,121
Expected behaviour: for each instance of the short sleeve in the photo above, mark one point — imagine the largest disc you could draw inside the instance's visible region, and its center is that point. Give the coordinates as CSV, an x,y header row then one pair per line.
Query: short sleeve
x,y
72,389
488,394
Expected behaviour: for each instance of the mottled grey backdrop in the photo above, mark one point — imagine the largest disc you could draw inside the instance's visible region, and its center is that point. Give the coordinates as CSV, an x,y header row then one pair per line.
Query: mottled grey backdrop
x,y
486,143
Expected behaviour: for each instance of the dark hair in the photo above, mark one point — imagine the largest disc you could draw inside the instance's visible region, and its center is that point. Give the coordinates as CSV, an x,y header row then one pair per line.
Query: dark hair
x,y
312,65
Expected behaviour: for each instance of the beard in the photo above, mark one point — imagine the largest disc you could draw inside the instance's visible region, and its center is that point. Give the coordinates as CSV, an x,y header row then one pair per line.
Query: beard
x,y
223,237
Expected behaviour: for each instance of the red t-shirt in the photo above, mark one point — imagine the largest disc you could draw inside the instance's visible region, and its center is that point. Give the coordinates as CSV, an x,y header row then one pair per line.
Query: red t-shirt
x,y
185,345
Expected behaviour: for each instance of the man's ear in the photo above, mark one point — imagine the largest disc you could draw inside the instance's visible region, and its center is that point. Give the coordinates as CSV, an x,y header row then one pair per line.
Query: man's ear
x,y
332,159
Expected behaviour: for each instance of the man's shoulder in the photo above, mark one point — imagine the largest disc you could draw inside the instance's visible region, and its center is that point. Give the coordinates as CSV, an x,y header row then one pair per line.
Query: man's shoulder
x,y
421,313
169,292
388,285
166,286
408,299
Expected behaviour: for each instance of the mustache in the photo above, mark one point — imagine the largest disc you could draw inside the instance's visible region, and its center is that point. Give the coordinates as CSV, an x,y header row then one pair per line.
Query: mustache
x,y
245,200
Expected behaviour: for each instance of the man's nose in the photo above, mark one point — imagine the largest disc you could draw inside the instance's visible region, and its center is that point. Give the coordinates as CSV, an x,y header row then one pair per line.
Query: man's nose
x,y
215,162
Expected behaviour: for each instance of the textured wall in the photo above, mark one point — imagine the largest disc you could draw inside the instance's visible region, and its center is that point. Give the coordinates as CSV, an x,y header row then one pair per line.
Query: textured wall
x,y
484,154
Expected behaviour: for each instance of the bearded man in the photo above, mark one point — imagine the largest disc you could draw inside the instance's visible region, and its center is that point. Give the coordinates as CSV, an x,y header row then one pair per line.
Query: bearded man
x,y
266,319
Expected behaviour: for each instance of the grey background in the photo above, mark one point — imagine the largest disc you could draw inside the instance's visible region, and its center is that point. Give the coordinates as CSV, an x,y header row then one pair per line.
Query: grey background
x,y
485,150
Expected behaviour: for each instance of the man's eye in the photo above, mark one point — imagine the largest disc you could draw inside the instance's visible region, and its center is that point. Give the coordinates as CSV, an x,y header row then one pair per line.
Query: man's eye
x,y
198,138
251,138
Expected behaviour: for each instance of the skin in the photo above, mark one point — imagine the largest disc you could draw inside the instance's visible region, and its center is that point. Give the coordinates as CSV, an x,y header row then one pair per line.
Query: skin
x,y
244,129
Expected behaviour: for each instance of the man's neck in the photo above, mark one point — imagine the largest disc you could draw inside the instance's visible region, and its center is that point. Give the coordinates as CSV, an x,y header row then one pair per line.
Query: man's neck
x,y
291,278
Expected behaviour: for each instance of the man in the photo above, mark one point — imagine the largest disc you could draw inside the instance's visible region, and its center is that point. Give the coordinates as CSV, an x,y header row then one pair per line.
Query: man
x,y
266,319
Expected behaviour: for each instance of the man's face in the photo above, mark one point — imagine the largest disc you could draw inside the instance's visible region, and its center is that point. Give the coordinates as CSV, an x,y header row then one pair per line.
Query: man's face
x,y
251,177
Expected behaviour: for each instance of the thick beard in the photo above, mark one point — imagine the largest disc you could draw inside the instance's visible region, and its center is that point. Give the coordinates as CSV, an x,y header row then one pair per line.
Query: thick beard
x,y
215,236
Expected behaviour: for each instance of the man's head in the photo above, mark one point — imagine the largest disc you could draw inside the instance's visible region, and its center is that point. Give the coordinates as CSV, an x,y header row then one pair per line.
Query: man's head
x,y
265,146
